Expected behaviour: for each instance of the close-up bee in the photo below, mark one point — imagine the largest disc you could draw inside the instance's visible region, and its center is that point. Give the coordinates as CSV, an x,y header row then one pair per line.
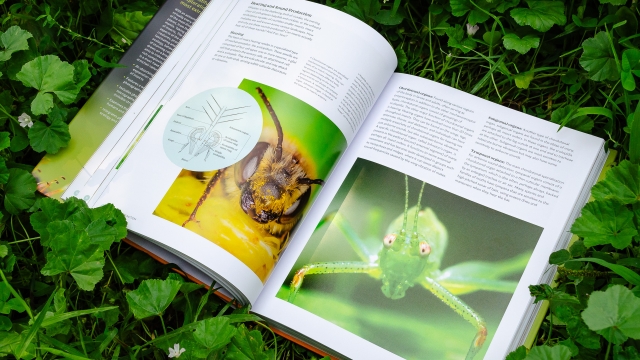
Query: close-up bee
x,y
248,208
273,183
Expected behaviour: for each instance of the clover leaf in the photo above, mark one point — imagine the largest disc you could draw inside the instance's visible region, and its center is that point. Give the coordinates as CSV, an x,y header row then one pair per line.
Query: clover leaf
x,y
630,66
622,183
49,138
476,15
73,252
152,297
48,74
598,58
513,42
14,39
523,79
19,191
458,40
545,352
541,15
614,314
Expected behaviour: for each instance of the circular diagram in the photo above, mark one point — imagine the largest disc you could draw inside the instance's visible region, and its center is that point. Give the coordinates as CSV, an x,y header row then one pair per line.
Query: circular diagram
x,y
213,129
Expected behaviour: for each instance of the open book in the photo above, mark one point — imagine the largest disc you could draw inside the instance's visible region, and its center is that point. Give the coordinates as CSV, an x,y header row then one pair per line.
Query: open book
x,y
271,149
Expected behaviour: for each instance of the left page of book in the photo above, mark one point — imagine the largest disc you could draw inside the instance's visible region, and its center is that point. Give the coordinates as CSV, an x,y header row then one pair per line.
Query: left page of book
x,y
224,169
105,109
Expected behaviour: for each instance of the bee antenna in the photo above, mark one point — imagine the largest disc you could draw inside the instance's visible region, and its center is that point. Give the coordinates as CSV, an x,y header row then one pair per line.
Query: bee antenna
x,y
307,181
415,222
406,202
274,117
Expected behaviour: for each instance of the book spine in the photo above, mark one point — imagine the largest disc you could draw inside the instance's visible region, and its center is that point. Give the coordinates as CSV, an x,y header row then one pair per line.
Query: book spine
x,y
111,100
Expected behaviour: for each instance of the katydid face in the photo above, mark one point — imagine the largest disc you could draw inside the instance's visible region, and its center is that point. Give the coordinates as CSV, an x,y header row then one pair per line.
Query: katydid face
x,y
403,260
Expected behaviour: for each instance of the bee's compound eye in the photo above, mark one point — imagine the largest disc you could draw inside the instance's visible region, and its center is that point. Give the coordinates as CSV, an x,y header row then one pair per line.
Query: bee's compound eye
x,y
292,208
389,240
425,249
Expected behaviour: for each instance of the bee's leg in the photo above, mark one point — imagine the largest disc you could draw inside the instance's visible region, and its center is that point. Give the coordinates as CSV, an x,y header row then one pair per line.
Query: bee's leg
x,y
463,310
335,267
212,182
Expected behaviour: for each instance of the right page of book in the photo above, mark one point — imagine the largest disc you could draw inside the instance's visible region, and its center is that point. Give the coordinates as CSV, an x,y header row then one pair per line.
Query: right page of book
x,y
425,239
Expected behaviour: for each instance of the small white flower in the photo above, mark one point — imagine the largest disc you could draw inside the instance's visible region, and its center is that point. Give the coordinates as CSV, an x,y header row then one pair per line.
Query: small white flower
x,y
471,30
176,351
124,40
25,120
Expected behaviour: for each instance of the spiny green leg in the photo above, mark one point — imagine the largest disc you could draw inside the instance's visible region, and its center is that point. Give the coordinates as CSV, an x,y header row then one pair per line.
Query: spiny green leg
x,y
461,309
335,267
354,240
472,276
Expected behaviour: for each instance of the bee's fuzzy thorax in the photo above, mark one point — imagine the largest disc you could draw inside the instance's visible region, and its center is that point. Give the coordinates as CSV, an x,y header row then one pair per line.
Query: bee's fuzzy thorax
x,y
282,175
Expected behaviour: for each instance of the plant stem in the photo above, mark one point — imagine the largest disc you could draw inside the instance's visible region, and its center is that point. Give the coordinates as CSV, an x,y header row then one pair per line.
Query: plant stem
x,y
16,295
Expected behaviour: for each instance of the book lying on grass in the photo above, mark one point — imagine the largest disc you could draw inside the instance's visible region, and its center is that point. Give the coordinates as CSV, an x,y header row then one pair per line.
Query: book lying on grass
x,y
366,213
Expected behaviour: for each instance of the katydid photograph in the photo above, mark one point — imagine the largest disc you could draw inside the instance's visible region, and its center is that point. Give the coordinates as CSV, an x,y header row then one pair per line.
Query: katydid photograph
x,y
412,268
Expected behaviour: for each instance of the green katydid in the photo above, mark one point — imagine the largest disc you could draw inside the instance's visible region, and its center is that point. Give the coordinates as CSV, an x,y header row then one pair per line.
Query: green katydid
x,y
410,255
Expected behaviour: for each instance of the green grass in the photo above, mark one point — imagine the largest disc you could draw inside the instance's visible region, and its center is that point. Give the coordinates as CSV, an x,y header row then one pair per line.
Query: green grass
x,y
571,62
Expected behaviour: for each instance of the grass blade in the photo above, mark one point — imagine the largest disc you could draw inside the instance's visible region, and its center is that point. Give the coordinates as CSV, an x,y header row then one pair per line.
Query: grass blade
x,y
634,142
34,328
68,315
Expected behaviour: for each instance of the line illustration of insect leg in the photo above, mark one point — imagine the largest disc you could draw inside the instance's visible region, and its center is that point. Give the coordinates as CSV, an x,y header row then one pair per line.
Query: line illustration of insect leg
x,y
212,182
192,139
463,310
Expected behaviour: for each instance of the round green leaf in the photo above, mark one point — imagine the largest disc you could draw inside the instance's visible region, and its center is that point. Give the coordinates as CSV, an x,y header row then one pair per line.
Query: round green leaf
x,y
14,39
605,222
152,297
49,138
545,352
20,191
49,74
541,15
5,323
559,257
214,333
614,314
598,59
513,42
73,252
621,183
630,65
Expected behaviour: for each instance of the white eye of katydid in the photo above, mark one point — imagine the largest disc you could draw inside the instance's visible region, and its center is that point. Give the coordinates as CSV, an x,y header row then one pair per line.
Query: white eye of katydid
x,y
425,249
250,168
389,239
292,208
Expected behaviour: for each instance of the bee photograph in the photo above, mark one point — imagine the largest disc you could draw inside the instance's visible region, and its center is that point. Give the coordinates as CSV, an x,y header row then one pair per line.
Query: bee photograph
x,y
410,267
251,207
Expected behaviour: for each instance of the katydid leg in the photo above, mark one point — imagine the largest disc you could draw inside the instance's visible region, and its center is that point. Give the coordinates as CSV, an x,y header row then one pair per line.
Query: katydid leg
x,y
336,267
463,310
